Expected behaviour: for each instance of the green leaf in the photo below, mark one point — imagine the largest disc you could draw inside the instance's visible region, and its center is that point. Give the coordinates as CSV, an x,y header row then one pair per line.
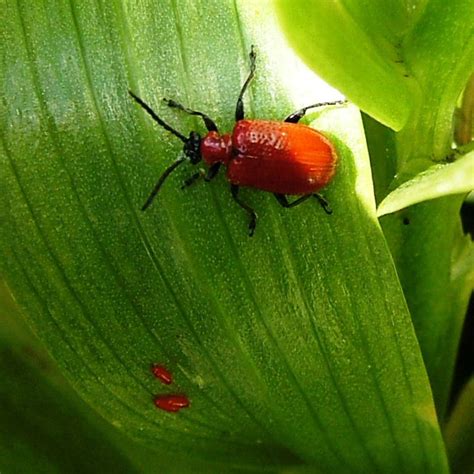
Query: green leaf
x,y
459,432
356,47
403,63
294,347
434,261
437,276
464,117
435,182
46,427
439,52
426,239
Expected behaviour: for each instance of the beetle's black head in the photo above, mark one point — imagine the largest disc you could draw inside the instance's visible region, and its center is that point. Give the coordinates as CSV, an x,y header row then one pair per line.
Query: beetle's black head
x,y
192,148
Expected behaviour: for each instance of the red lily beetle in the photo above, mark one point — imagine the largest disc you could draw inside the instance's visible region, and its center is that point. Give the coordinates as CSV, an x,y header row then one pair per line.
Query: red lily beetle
x,y
284,158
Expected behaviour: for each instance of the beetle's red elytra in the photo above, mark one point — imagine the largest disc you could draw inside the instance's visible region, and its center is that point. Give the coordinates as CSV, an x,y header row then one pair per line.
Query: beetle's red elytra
x,y
278,157
284,158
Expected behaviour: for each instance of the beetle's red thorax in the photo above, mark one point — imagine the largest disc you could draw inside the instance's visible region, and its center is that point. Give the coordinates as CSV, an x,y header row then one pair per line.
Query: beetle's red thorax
x,y
280,157
216,148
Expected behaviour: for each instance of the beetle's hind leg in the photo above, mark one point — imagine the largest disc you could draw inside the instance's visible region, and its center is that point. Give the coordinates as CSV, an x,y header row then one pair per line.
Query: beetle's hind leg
x,y
295,117
283,201
208,122
234,189
323,202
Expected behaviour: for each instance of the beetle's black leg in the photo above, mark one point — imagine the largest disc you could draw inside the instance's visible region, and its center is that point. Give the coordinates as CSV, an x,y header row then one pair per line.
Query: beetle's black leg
x,y
208,122
295,117
239,109
212,171
283,201
234,189
192,179
324,204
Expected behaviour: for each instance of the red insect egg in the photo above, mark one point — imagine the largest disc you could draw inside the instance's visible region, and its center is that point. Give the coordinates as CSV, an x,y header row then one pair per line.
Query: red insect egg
x,y
162,374
171,403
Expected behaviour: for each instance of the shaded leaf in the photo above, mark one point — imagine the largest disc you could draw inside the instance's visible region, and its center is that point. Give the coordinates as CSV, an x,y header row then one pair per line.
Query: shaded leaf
x,y
459,432
44,427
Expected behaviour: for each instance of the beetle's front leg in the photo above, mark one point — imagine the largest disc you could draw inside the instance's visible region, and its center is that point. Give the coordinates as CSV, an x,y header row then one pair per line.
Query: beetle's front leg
x,y
212,171
210,174
192,179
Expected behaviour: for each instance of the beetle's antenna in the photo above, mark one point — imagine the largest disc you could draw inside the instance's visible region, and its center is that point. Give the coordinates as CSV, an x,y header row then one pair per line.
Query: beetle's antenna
x,y
162,179
239,109
156,118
